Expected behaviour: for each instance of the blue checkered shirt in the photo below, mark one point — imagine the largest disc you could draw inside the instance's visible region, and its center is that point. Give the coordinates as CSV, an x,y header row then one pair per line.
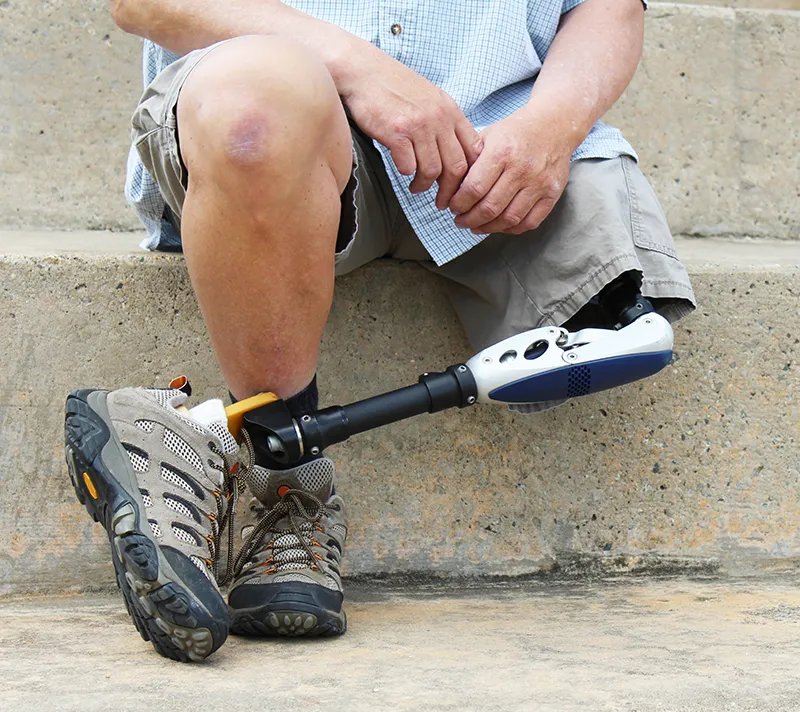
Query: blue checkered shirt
x,y
483,53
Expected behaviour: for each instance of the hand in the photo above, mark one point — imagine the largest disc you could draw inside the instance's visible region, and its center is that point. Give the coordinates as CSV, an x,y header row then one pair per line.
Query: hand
x,y
425,130
521,172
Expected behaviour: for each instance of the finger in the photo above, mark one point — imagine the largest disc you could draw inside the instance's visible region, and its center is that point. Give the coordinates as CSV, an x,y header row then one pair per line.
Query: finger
x,y
478,182
492,205
469,138
454,168
535,217
402,151
516,211
429,163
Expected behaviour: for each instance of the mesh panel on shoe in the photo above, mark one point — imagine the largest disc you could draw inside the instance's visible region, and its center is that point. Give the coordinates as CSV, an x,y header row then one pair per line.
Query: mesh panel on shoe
x,y
156,529
316,474
146,425
220,430
139,460
184,535
287,540
179,507
164,396
291,556
315,477
175,479
147,500
201,564
340,530
176,444
258,479
329,582
195,426
288,577
293,566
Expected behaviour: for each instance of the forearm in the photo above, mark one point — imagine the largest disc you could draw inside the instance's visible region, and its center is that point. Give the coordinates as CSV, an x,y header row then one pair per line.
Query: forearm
x,y
592,59
184,25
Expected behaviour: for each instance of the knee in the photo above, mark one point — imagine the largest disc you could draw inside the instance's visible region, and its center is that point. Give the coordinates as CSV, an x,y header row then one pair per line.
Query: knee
x,y
255,103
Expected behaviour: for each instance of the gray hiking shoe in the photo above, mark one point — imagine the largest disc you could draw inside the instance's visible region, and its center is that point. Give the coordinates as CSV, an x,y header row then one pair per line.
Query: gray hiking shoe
x,y
287,574
160,480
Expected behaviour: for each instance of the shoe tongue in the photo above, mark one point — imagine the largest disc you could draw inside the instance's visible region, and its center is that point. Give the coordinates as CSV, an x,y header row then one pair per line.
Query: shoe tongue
x,y
315,477
211,415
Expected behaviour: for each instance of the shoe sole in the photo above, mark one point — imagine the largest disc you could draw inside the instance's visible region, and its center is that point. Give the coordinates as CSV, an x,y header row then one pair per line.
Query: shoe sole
x,y
168,614
290,613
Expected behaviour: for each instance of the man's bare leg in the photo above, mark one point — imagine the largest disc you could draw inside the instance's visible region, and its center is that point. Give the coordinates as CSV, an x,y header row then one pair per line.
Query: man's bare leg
x,y
268,151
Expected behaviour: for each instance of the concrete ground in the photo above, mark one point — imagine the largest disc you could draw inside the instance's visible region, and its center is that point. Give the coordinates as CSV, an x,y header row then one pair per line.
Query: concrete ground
x,y
630,644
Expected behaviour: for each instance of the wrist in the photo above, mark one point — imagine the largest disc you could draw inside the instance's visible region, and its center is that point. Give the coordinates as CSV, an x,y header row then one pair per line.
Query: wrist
x,y
567,123
346,57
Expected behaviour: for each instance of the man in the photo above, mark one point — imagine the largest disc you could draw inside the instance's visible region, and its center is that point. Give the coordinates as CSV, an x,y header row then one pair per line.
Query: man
x,y
278,144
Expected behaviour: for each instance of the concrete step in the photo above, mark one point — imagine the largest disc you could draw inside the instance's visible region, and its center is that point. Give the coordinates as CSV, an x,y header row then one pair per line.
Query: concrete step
x,y
696,469
707,112
650,646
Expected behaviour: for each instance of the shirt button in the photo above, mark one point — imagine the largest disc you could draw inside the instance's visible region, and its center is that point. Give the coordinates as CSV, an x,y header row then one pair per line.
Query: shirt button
x,y
397,28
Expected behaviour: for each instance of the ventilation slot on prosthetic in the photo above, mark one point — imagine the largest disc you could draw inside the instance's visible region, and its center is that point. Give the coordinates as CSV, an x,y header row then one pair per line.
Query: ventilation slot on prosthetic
x,y
579,382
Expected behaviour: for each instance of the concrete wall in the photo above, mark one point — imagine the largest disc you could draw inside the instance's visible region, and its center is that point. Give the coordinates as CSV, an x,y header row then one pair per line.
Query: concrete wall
x,y
68,83
712,113
695,468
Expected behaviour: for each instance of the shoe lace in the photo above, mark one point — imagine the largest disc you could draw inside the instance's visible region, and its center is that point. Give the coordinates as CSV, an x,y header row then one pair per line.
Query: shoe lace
x,y
300,508
235,469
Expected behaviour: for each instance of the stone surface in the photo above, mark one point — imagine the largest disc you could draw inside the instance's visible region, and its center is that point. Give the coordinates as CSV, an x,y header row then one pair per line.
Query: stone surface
x,y
697,468
680,115
68,83
768,74
650,646
709,112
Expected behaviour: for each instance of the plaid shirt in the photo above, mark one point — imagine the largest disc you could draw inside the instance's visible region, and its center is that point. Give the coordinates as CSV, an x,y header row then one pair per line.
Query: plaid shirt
x,y
483,53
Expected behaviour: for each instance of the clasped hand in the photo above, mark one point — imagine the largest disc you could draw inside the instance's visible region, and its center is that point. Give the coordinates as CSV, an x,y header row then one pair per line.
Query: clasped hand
x,y
506,179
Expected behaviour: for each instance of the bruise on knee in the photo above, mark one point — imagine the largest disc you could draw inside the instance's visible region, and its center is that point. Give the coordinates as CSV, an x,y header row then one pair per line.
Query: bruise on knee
x,y
248,139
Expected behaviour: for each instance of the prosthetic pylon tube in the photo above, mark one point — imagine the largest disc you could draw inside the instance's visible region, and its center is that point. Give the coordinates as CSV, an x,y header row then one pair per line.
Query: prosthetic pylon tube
x,y
543,364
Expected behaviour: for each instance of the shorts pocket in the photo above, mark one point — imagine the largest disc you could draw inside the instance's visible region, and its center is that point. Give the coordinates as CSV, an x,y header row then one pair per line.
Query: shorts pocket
x,y
649,227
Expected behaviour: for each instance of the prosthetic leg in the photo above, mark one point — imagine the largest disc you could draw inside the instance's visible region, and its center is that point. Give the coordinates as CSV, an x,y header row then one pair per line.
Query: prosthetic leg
x,y
540,365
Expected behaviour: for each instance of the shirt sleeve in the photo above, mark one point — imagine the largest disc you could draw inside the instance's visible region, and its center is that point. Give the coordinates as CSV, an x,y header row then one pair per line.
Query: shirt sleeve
x,y
572,4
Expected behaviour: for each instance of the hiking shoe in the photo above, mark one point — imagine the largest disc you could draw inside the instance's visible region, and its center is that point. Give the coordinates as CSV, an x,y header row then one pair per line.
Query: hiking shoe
x,y
287,578
159,480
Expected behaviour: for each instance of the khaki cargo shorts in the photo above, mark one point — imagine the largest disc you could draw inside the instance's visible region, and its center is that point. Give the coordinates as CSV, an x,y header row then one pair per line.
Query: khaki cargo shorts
x,y
607,222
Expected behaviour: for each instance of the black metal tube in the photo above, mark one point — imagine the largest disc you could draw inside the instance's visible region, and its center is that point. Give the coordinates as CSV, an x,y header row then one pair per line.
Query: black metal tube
x,y
435,391
388,408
